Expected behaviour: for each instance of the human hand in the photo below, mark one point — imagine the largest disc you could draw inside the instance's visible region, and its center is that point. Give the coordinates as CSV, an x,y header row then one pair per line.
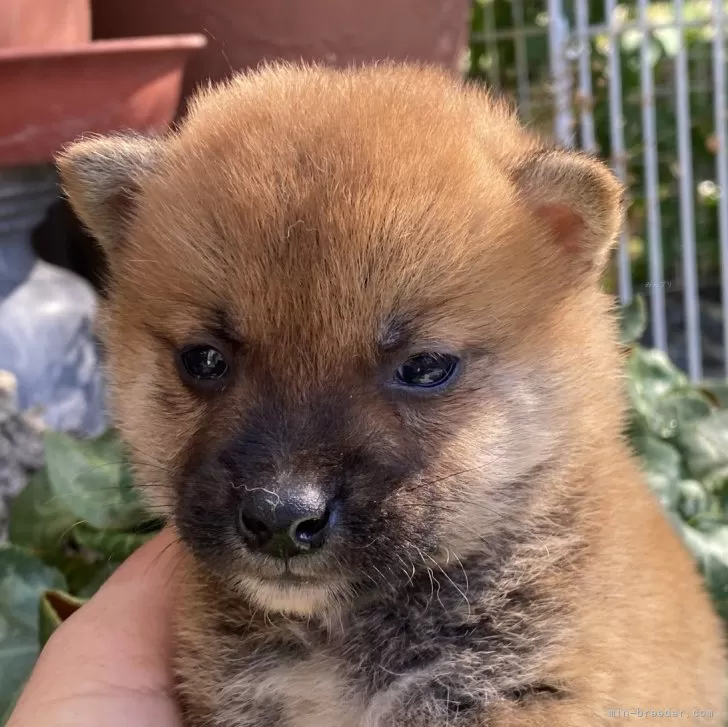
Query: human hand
x,y
108,665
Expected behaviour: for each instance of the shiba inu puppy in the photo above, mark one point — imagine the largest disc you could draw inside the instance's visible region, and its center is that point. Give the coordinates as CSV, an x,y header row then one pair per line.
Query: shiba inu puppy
x,y
363,364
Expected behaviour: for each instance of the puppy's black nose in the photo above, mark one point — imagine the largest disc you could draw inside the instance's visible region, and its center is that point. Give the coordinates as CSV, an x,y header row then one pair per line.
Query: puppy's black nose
x,y
284,522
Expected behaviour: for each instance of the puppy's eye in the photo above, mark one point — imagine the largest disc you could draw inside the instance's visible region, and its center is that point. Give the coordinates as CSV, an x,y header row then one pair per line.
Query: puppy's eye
x,y
203,364
427,370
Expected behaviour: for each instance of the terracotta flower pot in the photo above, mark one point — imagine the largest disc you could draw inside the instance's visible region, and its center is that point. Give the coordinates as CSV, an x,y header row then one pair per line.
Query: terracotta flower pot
x,y
51,97
44,23
242,33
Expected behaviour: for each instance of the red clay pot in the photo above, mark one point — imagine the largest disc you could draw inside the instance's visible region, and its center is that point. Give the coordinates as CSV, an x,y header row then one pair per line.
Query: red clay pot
x,y
242,33
44,23
51,97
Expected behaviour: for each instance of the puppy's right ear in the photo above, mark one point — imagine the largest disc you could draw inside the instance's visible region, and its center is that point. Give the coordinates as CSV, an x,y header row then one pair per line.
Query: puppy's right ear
x,y
102,178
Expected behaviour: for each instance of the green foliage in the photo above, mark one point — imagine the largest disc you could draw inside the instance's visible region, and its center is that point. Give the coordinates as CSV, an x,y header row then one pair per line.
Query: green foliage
x,y
23,581
69,529
680,432
79,518
493,59
93,481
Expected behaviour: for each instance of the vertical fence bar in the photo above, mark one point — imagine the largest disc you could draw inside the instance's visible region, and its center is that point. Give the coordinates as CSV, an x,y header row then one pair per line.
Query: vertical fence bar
x,y
524,88
586,97
560,72
652,200
721,156
691,299
616,134
491,44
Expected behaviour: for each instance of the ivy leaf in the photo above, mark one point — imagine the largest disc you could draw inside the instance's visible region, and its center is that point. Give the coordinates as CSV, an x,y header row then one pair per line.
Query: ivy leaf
x,y
710,549
716,482
694,500
97,577
39,520
669,40
717,389
78,570
683,406
661,465
112,546
93,480
652,378
55,607
23,580
704,445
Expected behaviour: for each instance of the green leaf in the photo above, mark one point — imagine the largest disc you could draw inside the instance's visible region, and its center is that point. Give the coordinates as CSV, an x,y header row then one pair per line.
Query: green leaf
x,y
77,569
719,389
55,607
110,545
100,574
661,464
633,320
704,444
669,39
93,480
660,393
654,372
5,717
716,482
682,406
23,580
694,500
651,377
710,549
39,520
668,416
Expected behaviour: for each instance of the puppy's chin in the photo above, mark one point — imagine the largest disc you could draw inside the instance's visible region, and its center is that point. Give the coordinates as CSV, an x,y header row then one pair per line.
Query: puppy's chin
x,y
295,597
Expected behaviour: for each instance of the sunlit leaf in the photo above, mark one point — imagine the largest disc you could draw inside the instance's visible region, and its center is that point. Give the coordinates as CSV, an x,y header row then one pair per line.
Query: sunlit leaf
x,y
719,389
710,549
55,607
23,580
693,499
100,574
109,544
661,464
93,480
704,444
39,519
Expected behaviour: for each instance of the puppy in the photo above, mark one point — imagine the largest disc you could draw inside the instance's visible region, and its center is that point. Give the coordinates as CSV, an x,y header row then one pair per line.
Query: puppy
x,y
364,367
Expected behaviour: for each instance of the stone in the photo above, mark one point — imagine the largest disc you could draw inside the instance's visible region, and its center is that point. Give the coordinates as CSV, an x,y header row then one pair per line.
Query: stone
x,y
46,315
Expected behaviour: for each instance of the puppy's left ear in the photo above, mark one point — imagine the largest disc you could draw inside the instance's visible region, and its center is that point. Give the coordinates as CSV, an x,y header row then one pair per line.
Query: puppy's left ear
x,y
103,178
578,200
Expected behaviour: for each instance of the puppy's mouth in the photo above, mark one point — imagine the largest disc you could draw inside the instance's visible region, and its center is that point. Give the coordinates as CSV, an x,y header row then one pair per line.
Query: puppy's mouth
x,y
295,594
288,577
302,570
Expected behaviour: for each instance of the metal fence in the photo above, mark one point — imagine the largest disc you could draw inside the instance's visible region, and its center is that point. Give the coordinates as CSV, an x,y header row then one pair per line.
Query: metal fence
x,y
643,84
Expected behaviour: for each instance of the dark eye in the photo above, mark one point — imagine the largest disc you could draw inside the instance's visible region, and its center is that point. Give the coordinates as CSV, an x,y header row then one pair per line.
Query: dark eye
x,y
427,370
203,363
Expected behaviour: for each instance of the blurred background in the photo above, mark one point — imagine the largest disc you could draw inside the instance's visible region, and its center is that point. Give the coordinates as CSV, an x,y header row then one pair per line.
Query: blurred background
x,y
641,83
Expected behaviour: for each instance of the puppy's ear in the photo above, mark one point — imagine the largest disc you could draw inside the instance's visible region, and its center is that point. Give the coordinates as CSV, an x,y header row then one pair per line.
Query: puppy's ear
x,y
578,199
102,178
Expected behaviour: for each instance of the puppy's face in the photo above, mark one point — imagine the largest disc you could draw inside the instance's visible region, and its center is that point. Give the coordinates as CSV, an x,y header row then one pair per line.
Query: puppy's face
x,y
343,322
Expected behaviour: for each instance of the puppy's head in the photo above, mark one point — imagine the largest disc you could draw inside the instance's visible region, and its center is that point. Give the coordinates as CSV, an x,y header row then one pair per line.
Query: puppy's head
x,y
353,319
